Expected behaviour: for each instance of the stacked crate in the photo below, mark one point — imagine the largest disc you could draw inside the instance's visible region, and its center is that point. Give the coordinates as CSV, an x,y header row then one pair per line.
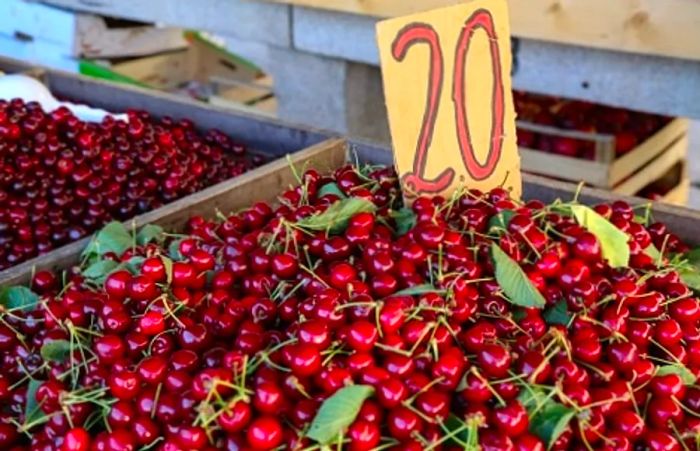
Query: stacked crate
x,y
626,152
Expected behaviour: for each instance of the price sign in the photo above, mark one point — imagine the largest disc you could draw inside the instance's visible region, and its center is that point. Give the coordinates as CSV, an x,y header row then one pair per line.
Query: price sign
x,y
448,94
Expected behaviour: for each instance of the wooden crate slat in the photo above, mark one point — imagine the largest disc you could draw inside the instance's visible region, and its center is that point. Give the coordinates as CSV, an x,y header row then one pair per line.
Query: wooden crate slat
x,y
647,150
656,27
654,169
569,168
679,194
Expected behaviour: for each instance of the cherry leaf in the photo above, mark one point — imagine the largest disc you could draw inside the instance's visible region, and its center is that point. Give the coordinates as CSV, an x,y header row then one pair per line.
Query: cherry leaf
x,y
174,251
335,218
168,264
331,188
500,220
681,370
338,412
418,290
18,298
149,233
557,314
613,241
513,280
98,271
548,418
405,220
32,410
55,350
111,238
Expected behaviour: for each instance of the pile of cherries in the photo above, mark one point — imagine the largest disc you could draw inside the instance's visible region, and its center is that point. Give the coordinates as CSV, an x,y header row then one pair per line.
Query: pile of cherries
x,y
630,128
237,334
62,178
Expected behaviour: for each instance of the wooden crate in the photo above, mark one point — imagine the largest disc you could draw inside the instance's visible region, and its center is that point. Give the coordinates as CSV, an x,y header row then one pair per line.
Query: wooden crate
x,y
80,35
265,184
675,184
256,95
626,174
201,61
269,137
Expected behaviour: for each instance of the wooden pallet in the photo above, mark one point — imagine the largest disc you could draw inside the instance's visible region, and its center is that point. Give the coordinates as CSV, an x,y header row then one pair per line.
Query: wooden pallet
x,y
626,174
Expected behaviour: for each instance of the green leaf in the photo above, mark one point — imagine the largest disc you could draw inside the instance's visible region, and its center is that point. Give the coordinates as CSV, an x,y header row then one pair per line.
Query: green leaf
x,y
32,410
465,434
690,278
112,238
653,252
548,418
133,265
681,370
418,290
693,257
338,412
168,263
500,220
550,422
331,188
174,251
55,350
149,233
335,218
557,314
98,271
405,220
512,279
689,269
18,298
613,241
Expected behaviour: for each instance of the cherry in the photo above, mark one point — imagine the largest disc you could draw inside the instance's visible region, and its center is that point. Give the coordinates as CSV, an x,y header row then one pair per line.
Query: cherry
x,y
363,435
264,433
268,398
77,439
152,323
391,392
629,423
511,419
403,423
494,360
145,430
154,269
304,360
362,335
124,384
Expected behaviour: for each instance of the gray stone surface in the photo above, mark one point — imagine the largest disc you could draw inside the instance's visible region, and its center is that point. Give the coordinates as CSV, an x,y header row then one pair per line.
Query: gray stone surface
x,y
310,89
344,36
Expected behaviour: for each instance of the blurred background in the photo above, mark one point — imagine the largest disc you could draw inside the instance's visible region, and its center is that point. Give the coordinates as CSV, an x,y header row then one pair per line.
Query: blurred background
x,y
606,93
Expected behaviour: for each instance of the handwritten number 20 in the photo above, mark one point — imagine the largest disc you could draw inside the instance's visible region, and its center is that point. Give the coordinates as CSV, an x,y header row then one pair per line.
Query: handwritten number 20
x,y
416,181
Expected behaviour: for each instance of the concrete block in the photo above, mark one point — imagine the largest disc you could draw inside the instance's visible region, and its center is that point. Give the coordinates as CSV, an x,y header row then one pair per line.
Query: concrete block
x,y
647,83
344,36
310,89
366,110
